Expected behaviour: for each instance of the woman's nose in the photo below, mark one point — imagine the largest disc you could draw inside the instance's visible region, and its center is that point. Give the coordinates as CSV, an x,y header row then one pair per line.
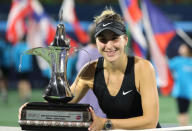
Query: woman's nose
x,y
109,44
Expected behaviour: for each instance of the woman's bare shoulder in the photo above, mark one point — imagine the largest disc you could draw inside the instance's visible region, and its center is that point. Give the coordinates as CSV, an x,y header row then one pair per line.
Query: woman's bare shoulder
x,y
143,70
88,70
142,64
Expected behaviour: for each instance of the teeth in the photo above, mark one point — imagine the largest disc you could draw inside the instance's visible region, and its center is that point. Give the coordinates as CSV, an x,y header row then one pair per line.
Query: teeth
x,y
111,51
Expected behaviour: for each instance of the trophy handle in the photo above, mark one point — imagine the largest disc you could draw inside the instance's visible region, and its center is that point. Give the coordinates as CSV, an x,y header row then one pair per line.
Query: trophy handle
x,y
40,51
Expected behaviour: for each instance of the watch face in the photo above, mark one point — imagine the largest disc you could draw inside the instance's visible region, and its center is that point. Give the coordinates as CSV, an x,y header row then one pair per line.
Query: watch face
x,y
108,125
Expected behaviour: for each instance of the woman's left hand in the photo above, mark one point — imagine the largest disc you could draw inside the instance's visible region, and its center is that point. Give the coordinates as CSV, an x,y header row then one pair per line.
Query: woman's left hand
x,y
98,122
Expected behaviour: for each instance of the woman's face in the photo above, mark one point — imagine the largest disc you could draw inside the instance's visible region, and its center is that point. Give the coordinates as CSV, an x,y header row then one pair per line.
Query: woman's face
x,y
110,45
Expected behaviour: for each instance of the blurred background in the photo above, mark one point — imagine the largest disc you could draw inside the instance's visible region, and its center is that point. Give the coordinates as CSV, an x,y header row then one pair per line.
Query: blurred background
x,y
26,24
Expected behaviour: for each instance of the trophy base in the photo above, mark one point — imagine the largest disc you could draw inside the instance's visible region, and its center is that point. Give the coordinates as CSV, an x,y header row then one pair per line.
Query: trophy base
x,y
40,128
54,117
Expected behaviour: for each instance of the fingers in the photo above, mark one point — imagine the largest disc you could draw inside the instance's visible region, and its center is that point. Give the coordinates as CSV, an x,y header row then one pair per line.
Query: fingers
x,y
96,124
20,109
91,127
92,113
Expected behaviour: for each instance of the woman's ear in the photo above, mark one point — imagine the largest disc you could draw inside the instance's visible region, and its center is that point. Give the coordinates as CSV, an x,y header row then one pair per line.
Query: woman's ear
x,y
126,39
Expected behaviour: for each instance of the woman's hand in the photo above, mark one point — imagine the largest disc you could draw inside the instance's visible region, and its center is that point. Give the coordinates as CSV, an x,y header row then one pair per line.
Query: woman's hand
x,y
20,109
98,122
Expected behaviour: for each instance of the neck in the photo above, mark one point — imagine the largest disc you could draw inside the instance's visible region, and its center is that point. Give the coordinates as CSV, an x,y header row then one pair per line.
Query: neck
x,y
116,66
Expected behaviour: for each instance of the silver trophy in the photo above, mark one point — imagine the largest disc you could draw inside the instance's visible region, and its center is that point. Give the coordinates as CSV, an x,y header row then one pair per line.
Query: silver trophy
x,y
56,113
56,55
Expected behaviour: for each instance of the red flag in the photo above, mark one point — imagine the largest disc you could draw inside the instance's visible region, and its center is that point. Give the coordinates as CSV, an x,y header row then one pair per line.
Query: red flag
x,y
16,27
69,15
41,29
159,31
133,15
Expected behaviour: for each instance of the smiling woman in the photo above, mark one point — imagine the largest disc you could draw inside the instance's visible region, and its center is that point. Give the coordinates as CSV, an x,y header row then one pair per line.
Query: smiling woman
x,y
125,86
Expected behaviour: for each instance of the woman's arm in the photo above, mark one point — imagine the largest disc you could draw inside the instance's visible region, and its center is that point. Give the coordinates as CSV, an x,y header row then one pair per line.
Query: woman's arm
x,y
83,82
79,89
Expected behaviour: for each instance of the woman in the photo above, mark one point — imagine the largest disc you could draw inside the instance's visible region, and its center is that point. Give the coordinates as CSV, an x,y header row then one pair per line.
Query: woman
x,y
125,86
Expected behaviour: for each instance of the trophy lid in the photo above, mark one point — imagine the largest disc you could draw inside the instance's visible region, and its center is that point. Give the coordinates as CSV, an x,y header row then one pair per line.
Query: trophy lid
x,y
60,37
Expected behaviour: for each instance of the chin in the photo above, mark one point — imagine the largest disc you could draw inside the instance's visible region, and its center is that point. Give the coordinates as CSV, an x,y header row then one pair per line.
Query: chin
x,y
111,58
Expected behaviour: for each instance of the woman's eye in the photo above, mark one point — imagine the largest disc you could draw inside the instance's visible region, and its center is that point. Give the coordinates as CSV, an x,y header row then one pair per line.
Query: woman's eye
x,y
103,40
114,38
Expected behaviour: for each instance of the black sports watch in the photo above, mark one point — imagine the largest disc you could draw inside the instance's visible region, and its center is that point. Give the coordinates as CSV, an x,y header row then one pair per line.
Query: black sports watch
x,y
108,125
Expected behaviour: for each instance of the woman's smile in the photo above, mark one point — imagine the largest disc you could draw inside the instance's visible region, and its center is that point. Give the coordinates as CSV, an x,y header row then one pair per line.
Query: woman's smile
x,y
111,53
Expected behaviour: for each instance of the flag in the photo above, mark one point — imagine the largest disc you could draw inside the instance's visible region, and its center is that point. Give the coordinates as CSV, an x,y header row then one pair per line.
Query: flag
x,y
40,33
16,27
41,29
133,16
160,31
69,15
27,17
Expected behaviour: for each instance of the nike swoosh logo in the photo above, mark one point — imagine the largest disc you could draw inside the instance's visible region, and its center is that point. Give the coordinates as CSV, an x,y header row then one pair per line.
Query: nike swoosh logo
x,y
106,24
125,93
